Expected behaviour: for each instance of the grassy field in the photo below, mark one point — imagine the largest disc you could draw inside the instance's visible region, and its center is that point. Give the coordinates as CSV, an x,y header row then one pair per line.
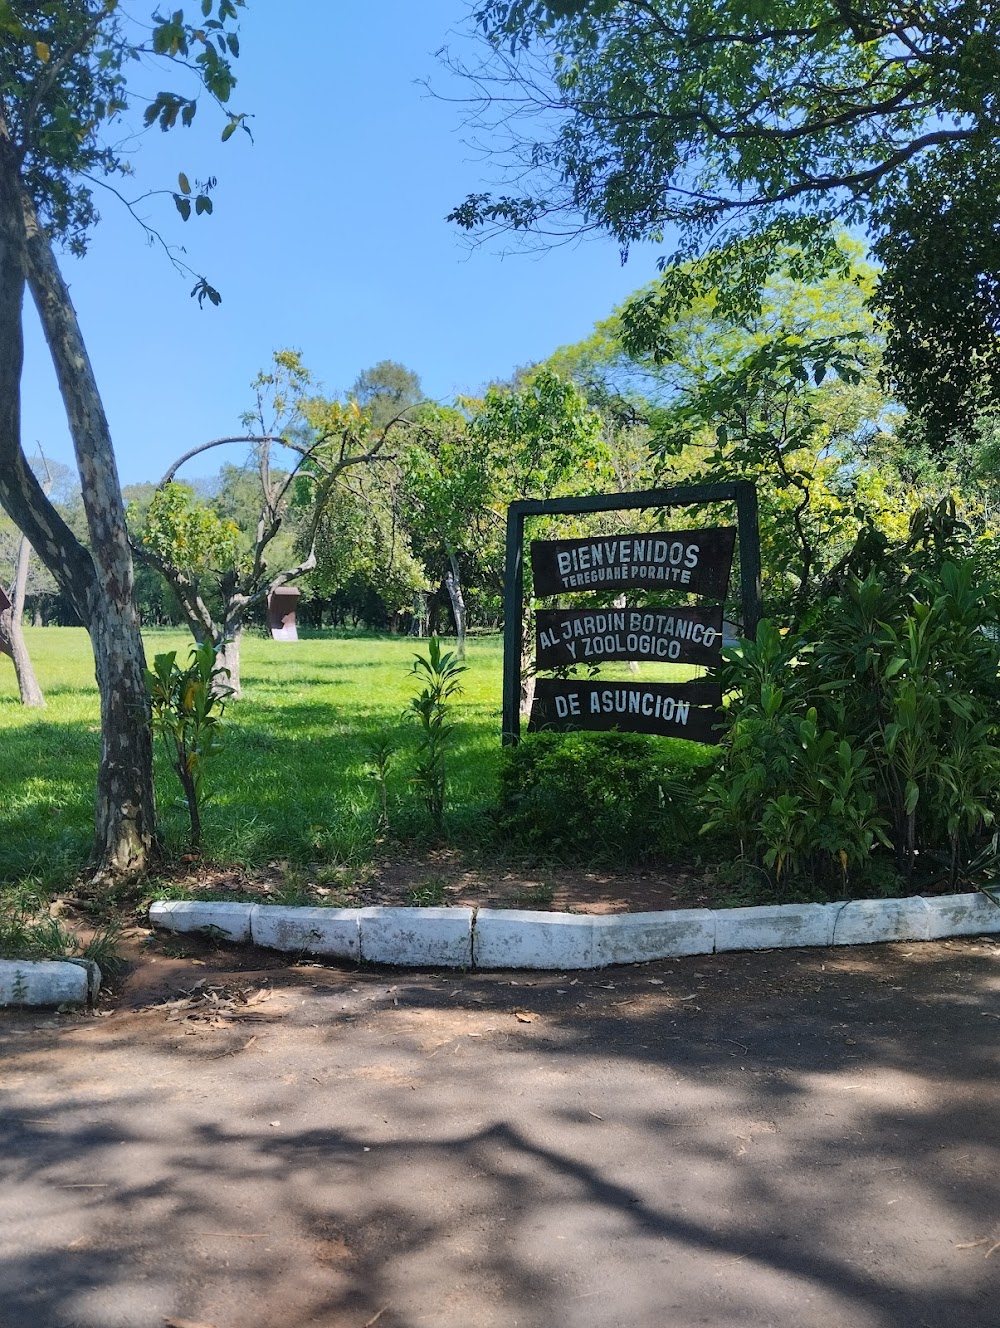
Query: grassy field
x,y
293,781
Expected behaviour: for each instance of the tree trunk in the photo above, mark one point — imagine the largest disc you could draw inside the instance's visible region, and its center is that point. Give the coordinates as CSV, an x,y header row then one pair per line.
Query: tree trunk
x,y
527,663
453,584
125,831
619,602
12,633
227,656
99,585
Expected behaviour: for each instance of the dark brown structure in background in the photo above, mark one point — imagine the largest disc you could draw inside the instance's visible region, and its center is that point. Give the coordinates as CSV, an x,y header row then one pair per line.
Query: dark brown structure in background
x,y
281,606
4,606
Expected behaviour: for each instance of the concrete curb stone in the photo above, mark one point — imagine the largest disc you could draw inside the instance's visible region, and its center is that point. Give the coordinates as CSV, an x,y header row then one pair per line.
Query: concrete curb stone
x,y
635,938
43,982
962,915
868,921
413,937
187,915
94,975
524,938
775,926
333,932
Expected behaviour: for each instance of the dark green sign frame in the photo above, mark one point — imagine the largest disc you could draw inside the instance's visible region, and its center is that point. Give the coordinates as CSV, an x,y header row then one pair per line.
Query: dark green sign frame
x,y
742,492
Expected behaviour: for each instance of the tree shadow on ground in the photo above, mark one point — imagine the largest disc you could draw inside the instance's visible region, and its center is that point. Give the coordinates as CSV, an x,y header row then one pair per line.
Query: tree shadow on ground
x,y
810,1140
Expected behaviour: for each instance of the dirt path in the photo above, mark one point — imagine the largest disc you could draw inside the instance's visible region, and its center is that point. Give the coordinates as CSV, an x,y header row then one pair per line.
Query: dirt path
x,y
794,1139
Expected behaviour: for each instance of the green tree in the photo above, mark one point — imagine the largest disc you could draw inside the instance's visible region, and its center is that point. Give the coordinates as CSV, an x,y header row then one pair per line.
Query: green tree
x,y
447,492
385,391
654,113
65,118
543,440
719,397
740,129
12,640
246,552
939,293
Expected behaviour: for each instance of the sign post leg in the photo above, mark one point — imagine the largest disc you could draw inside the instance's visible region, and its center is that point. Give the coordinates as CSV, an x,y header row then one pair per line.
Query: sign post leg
x,y
749,536
513,610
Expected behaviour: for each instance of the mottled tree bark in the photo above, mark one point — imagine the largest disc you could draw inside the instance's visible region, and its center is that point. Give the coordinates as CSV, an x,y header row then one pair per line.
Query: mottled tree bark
x,y
99,585
125,814
453,585
227,656
527,663
12,634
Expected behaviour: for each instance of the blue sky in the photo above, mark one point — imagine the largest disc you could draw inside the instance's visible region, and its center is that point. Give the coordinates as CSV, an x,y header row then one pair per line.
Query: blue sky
x,y
328,236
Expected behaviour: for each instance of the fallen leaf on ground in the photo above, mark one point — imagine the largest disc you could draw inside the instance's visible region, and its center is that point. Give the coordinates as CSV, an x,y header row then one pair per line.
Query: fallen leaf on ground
x,y
524,1016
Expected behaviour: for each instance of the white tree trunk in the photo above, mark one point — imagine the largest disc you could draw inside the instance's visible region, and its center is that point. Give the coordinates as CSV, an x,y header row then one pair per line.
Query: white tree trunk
x,y
453,584
12,634
227,656
619,603
527,663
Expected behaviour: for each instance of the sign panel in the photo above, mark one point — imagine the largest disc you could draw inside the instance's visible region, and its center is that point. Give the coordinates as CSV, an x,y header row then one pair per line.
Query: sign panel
x,y
678,636
674,710
693,560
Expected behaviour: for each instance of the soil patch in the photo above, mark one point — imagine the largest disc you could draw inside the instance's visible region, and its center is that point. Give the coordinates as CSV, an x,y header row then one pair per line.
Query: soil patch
x,y
449,877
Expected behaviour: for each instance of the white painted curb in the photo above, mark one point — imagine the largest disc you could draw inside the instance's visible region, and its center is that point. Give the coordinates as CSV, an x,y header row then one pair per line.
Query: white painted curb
x,y
417,937
196,915
44,982
961,915
523,938
634,938
867,921
775,926
333,932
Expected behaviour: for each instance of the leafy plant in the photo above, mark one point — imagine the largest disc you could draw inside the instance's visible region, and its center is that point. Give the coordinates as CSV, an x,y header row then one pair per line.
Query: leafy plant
x,y
187,705
595,796
29,931
380,755
439,672
875,722
797,794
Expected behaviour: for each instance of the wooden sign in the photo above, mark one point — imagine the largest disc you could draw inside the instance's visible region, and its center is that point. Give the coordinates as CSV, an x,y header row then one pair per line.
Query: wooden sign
x,y
693,560
674,710
678,636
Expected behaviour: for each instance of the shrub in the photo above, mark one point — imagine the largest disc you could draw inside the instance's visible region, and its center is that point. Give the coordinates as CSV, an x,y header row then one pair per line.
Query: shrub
x,y
439,672
187,706
618,797
877,720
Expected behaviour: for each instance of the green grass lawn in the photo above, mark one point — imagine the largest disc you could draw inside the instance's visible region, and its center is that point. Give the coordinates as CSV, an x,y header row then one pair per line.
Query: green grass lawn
x,y
293,781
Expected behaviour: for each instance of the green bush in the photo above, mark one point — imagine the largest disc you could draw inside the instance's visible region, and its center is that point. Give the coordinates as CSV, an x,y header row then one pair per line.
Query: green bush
x,y
876,721
597,797
798,796
187,705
